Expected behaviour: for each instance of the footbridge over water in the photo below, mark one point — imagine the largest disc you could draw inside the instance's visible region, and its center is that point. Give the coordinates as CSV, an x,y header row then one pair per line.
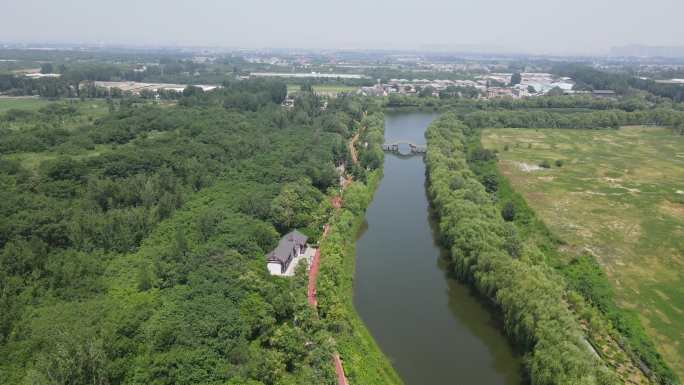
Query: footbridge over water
x,y
414,149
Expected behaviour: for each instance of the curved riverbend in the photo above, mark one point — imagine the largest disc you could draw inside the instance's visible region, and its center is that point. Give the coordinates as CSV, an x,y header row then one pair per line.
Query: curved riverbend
x,y
432,327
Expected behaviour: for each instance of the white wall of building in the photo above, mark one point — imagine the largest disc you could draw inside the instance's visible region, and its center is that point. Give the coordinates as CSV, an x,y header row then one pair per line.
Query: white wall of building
x,y
274,268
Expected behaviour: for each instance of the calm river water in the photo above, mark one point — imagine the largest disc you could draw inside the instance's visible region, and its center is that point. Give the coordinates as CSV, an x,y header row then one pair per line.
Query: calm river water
x,y
433,329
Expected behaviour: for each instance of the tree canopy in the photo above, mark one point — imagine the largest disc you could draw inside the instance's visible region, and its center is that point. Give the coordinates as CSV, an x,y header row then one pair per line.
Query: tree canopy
x,y
132,245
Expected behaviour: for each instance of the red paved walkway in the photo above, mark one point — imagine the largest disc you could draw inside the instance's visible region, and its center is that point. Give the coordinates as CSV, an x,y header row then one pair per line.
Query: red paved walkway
x,y
313,274
311,295
341,379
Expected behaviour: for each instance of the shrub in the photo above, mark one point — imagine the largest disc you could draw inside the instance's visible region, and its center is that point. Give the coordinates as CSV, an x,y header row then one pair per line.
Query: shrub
x,y
508,212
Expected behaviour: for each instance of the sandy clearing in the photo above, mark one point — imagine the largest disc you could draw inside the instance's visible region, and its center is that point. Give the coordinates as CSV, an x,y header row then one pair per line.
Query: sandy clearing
x,y
526,167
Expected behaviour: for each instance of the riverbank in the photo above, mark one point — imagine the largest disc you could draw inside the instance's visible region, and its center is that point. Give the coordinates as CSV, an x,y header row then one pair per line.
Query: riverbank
x,y
579,265
430,325
364,362
486,252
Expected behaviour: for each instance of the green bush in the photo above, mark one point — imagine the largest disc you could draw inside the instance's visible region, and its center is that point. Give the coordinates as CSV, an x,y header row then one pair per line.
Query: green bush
x,y
508,212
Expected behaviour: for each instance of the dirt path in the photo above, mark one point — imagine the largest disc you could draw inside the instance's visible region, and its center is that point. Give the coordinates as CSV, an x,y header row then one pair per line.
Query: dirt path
x,y
354,139
352,149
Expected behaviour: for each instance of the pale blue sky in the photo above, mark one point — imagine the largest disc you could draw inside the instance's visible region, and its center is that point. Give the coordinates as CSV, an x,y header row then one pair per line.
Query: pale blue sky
x,y
539,26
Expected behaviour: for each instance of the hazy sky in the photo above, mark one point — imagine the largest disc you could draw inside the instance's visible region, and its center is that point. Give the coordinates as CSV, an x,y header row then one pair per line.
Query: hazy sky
x,y
539,26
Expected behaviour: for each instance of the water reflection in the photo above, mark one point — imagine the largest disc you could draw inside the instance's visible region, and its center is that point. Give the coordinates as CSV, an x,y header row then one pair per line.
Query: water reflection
x,y
430,325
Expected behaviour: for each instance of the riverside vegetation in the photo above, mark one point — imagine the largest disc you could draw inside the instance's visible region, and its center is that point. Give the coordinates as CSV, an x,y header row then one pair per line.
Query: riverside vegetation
x,y
364,362
132,244
485,251
616,198
132,240
554,312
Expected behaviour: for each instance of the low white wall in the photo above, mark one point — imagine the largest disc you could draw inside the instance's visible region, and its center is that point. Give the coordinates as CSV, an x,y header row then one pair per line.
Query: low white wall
x,y
274,268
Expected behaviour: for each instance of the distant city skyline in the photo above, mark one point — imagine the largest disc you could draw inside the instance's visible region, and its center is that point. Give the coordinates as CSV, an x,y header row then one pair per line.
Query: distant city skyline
x,y
585,27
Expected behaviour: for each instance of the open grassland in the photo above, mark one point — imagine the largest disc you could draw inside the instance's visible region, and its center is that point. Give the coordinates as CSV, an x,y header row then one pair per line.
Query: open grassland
x,y
32,160
92,107
89,107
84,113
7,103
619,196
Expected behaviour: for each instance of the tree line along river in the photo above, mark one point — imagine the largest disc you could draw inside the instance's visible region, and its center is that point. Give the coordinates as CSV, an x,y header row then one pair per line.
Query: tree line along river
x,y
432,327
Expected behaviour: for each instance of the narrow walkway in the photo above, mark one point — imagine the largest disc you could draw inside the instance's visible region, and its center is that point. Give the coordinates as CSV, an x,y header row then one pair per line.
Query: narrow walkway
x,y
341,379
352,148
313,272
352,142
311,291
315,264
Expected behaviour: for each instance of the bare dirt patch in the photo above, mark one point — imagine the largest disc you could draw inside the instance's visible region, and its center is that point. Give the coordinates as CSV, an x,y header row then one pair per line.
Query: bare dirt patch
x,y
526,167
673,209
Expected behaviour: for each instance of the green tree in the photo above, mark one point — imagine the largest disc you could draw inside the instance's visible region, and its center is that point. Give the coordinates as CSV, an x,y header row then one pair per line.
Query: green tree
x,y
295,205
46,68
555,91
426,92
490,182
144,278
508,211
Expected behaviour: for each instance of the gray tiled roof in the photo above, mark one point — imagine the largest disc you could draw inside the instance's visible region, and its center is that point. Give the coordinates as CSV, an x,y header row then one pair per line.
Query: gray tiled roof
x,y
287,246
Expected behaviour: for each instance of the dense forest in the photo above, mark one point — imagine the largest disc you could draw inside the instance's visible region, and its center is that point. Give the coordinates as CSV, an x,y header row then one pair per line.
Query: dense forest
x,y
554,312
132,245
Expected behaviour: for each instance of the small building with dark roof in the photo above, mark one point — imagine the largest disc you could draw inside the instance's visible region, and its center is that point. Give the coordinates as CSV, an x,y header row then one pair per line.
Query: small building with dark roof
x,y
290,246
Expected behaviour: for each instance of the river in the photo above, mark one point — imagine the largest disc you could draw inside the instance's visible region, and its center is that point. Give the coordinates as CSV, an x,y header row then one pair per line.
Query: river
x,y
431,326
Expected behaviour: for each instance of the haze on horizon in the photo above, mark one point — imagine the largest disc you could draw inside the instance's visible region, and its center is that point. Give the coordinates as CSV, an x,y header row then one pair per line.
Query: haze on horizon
x,y
529,26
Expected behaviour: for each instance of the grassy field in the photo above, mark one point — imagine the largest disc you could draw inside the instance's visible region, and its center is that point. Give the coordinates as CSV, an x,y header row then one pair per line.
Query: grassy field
x,y
89,107
22,103
88,110
619,195
32,160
